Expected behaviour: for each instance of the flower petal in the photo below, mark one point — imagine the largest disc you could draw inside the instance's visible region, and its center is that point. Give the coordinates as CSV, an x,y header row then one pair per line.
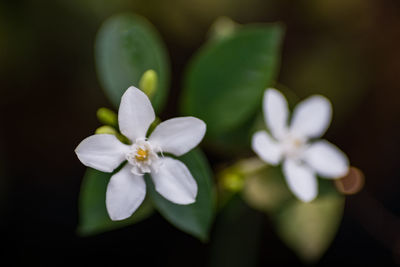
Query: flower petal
x,y
326,159
266,148
125,193
301,180
174,181
311,117
178,135
135,114
275,112
103,152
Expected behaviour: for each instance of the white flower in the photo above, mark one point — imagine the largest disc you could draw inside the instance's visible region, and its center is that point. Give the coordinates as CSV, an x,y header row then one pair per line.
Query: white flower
x,y
127,188
302,159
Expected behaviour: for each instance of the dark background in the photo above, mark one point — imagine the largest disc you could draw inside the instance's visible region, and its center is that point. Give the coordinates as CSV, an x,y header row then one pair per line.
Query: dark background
x,y
49,93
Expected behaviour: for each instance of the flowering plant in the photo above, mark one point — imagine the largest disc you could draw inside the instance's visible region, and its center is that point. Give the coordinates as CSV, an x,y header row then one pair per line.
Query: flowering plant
x,y
145,165
301,159
127,188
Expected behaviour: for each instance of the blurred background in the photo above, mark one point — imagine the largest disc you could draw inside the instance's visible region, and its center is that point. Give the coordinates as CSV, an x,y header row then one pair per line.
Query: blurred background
x,y
347,50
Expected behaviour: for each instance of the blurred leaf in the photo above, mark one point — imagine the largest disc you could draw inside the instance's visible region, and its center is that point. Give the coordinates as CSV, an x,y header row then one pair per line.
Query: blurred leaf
x,y
237,141
226,79
195,218
127,45
309,228
267,190
93,216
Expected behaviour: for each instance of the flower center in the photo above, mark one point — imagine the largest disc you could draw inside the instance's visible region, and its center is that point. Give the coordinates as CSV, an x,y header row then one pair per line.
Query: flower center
x,y
293,146
297,143
143,157
141,154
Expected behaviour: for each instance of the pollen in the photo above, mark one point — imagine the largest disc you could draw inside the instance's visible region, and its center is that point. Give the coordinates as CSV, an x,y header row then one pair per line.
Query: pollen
x,y
297,142
141,154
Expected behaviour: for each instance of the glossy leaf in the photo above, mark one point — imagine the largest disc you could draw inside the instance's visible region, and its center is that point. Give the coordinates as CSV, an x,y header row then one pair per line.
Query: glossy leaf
x,y
127,45
93,216
195,218
226,80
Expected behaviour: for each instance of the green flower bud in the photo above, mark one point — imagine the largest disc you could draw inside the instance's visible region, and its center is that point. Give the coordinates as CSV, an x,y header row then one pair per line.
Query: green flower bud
x,y
148,83
222,28
105,129
107,116
232,181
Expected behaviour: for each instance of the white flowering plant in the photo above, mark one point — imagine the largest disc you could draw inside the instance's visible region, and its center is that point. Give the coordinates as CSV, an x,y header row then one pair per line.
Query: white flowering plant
x,y
127,188
138,164
302,159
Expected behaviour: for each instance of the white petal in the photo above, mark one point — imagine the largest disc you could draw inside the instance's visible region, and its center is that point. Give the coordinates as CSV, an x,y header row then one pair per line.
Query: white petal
x,y
275,112
174,181
311,117
178,135
327,160
301,180
103,152
266,148
125,193
135,114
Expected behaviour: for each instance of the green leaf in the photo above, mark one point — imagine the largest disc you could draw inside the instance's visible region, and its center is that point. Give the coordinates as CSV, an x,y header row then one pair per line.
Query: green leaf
x,y
93,216
236,142
226,79
195,218
126,46
309,228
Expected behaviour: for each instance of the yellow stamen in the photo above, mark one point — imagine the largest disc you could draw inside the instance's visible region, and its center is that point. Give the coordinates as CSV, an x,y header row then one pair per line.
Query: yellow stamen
x,y
141,154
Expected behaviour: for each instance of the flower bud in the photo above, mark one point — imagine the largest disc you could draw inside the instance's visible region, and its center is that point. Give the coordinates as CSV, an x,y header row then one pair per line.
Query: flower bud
x,y
222,28
105,129
107,117
148,83
232,181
